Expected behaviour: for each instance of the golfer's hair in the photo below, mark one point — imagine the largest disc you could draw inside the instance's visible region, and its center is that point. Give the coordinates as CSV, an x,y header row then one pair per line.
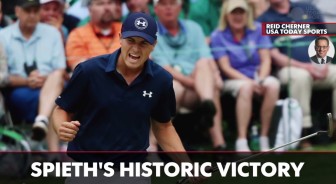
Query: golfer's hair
x,y
321,38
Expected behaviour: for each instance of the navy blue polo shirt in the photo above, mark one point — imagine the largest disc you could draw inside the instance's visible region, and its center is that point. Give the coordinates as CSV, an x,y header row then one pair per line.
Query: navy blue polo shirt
x,y
115,116
299,12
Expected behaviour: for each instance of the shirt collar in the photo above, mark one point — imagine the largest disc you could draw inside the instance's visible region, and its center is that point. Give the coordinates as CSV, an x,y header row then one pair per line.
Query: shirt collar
x,y
319,59
286,15
98,31
229,35
18,35
113,59
163,30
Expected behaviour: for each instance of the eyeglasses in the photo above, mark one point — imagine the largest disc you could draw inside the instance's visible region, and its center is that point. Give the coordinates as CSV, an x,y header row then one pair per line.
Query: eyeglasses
x,y
321,47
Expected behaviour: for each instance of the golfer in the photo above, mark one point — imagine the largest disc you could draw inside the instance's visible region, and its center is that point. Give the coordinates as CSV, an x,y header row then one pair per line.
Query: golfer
x,y
111,101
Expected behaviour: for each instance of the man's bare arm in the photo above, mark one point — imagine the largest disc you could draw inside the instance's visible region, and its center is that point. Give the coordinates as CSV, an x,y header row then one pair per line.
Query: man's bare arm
x,y
169,140
63,126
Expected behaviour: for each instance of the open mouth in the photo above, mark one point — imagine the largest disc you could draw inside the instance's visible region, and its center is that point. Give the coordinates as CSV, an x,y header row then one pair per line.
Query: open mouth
x,y
134,57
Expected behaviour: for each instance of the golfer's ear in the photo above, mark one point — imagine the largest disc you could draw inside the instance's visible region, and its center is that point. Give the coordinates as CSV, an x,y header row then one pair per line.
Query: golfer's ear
x,y
154,43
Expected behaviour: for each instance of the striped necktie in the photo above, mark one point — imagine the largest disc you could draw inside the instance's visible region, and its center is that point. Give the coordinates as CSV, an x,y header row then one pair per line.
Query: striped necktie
x,y
322,61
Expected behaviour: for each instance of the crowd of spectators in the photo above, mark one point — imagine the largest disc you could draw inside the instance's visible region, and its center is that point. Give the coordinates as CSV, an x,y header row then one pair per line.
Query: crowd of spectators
x,y
211,47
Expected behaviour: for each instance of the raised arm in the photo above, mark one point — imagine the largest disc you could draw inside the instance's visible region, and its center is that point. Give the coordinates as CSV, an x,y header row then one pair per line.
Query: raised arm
x,y
63,126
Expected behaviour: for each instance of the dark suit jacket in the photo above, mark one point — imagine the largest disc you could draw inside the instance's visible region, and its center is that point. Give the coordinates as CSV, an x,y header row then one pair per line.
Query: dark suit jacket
x,y
315,60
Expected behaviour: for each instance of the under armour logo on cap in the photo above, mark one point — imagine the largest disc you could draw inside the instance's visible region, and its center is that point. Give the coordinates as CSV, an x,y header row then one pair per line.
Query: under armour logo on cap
x,y
140,25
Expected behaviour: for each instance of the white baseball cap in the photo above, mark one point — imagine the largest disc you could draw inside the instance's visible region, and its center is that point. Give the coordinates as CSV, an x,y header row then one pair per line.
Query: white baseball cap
x,y
233,4
47,1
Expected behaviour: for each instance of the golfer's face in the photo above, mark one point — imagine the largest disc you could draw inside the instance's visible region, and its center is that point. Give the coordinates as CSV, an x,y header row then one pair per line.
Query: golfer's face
x,y
322,48
135,51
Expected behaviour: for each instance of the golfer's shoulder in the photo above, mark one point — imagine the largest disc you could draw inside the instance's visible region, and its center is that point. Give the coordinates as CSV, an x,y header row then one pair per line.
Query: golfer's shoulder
x,y
159,73
96,63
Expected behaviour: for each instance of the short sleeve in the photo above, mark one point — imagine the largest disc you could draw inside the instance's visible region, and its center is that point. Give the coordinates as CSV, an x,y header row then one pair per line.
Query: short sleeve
x,y
165,109
264,41
75,91
200,40
58,55
217,45
158,55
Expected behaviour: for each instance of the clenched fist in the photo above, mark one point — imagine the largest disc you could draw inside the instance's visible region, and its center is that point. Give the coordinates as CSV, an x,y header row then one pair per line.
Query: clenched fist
x,y
68,130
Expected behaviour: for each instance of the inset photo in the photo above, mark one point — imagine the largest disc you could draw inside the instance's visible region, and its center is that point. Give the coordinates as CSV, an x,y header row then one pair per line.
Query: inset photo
x,y
321,50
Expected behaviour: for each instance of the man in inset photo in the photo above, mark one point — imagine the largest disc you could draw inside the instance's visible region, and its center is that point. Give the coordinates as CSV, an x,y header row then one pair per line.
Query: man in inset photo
x,y
321,48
